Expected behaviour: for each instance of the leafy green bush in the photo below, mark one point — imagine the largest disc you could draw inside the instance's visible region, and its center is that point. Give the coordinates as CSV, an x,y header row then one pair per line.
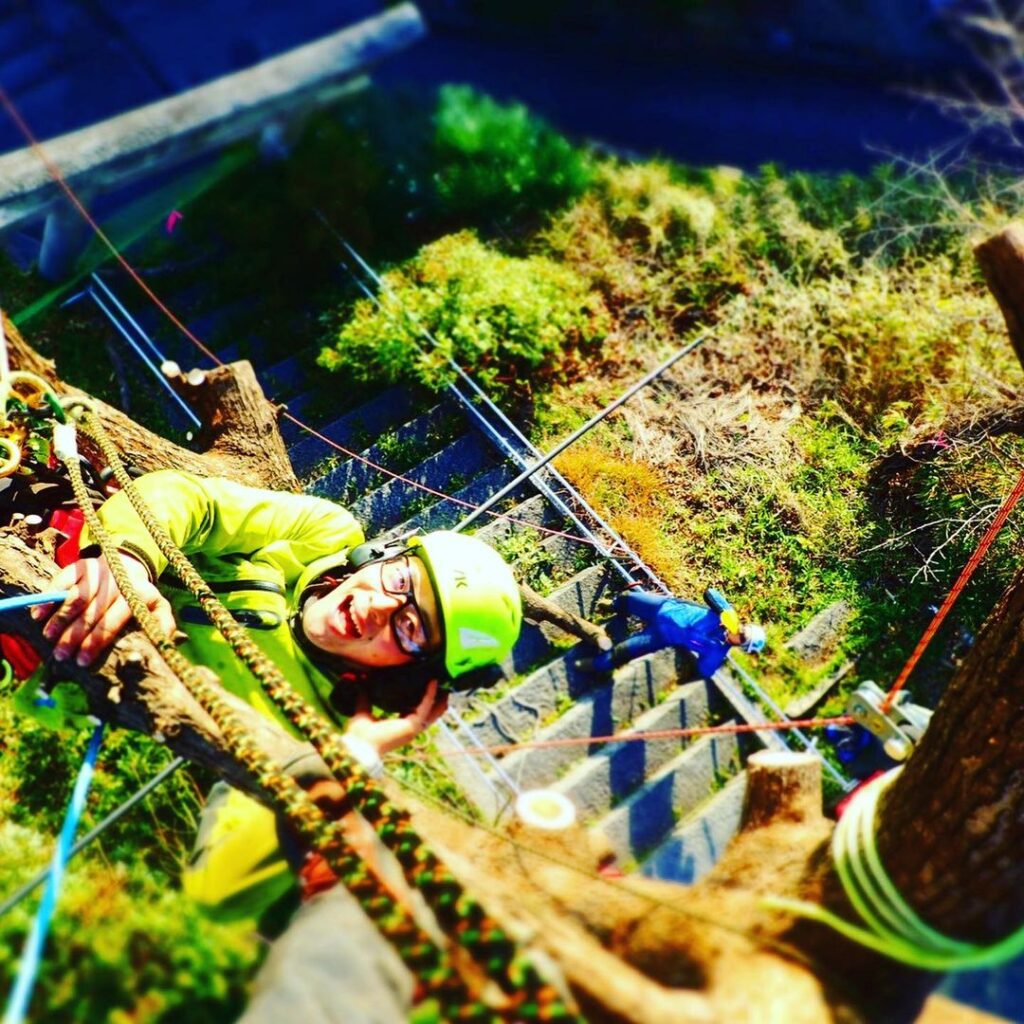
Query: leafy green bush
x,y
123,948
500,160
644,201
38,771
514,322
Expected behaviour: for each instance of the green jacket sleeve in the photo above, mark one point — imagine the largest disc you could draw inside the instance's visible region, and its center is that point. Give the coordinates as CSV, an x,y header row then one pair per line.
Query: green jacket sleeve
x,y
219,517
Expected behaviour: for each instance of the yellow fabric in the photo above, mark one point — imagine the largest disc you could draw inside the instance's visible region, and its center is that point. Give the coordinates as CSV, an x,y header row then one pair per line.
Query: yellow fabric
x,y
236,534
238,869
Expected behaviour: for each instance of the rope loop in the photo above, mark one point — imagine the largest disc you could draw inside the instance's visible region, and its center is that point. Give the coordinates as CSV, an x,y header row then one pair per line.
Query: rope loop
x,y
893,928
10,456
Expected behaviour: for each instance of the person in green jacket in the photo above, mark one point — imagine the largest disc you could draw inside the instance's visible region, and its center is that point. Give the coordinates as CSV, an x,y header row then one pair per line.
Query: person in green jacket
x,y
350,625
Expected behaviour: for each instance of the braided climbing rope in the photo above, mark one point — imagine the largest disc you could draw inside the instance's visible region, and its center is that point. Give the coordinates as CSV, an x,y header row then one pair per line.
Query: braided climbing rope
x,y
458,913
428,963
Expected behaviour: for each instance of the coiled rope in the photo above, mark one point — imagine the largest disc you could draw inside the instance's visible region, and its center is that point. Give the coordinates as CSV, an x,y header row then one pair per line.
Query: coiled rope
x,y
893,927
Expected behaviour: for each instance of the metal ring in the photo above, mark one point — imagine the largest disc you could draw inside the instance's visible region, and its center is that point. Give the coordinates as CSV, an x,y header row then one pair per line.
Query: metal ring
x,y
76,406
11,454
30,388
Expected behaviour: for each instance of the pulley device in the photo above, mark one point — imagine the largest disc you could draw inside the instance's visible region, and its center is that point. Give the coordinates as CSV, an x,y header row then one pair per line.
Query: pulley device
x,y
898,723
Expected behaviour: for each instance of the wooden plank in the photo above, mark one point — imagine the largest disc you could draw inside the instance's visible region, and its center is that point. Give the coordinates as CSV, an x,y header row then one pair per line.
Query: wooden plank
x,y
165,133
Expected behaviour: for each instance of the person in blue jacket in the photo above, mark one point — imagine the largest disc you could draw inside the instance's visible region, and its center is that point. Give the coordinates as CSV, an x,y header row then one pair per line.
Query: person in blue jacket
x,y
708,632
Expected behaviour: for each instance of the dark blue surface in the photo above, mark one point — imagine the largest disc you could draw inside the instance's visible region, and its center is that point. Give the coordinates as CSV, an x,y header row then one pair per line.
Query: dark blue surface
x,y
69,63
702,108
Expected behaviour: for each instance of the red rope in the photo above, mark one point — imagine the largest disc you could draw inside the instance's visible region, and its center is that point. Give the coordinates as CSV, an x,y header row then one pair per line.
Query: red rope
x,y
658,734
972,563
54,171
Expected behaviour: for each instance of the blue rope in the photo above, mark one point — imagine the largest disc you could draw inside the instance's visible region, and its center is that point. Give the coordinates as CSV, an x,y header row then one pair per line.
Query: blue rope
x,y
17,1002
10,604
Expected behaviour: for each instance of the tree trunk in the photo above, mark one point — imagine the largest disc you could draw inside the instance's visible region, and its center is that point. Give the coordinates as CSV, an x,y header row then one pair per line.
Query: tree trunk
x,y
1000,258
239,434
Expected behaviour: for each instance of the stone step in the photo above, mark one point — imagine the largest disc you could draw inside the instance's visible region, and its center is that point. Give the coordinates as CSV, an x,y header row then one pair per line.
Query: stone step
x,y
187,305
388,505
244,346
645,819
697,843
553,688
443,514
354,477
564,556
612,773
288,377
600,712
534,511
356,426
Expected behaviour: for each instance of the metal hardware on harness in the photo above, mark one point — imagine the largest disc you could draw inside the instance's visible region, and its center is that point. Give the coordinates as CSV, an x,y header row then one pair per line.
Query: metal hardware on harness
x,y
898,728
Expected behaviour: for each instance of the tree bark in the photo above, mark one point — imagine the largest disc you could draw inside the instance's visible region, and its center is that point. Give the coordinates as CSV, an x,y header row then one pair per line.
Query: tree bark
x,y
781,787
1000,258
540,609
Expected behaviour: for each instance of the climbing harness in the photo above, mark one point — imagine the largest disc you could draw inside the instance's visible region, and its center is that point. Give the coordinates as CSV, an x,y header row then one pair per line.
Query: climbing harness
x,y
893,928
21,994
460,916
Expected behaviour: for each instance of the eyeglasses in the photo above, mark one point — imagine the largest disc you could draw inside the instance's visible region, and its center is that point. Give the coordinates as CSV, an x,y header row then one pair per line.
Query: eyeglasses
x,y
407,620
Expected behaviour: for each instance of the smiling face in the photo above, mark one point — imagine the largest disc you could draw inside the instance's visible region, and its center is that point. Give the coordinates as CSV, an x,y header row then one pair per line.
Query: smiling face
x,y
368,620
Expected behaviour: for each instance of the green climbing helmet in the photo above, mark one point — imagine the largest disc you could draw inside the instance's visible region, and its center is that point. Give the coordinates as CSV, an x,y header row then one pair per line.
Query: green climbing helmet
x,y
478,597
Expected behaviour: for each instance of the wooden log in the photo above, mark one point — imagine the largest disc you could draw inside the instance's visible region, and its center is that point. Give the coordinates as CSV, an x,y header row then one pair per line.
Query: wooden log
x,y
782,787
243,441
1001,259
168,132
540,609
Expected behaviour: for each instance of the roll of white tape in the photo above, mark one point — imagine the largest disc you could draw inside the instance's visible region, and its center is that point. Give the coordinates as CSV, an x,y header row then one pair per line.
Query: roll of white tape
x,y
544,808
